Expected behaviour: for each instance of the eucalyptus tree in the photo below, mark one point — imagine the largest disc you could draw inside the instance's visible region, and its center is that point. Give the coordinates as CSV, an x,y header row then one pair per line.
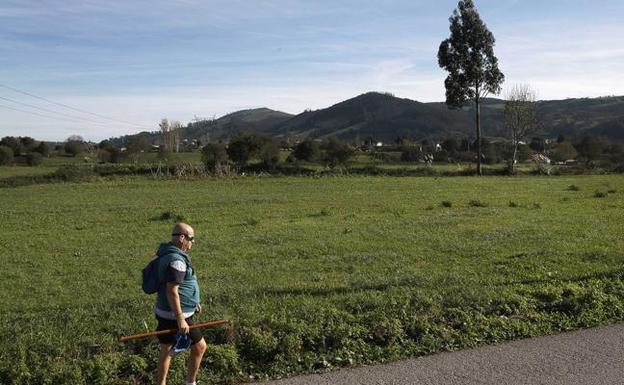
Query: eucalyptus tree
x,y
468,56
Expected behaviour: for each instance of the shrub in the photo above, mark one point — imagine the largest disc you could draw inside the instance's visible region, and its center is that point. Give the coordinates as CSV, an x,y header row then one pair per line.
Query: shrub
x,y
223,363
75,147
6,156
513,204
110,155
43,148
34,159
600,194
269,153
73,173
14,143
387,157
410,154
214,155
447,204
573,187
242,147
477,203
308,150
337,152
170,215
163,153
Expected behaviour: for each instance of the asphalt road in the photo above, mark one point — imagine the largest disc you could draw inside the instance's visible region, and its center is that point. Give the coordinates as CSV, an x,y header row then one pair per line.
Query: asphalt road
x,y
589,357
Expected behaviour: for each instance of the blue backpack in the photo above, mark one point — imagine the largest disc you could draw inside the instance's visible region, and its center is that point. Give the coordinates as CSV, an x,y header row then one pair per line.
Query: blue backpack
x,y
151,283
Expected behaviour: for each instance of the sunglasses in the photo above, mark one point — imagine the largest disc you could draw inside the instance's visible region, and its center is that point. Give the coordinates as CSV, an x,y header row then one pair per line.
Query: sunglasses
x,y
185,236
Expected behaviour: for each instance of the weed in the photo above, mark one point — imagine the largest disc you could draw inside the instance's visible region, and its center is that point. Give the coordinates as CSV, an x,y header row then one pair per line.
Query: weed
x,y
573,187
170,215
447,204
512,204
477,203
600,194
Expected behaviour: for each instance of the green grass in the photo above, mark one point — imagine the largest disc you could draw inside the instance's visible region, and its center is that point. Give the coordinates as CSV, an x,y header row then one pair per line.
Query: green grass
x,y
14,171
51,164
315,273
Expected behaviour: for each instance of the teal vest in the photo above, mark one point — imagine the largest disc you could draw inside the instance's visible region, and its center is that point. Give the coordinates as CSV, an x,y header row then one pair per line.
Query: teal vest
x,y
188,290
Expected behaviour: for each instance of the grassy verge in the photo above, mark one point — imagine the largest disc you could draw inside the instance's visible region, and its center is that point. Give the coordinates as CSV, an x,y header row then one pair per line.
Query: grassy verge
x,y
315,273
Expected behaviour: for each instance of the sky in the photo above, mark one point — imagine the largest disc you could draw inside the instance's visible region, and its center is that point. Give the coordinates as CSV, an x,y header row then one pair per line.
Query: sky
x,y
102,69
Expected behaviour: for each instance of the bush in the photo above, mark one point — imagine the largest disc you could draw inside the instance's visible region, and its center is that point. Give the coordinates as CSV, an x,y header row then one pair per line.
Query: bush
x,y
308,150
170,215
442,156
242,147
214,155
477,203
223,363
43,148
73,173
110,155
15,144
337,152
34,159
410,154
164,154
387,157
6,156
75,147
447,204
269,153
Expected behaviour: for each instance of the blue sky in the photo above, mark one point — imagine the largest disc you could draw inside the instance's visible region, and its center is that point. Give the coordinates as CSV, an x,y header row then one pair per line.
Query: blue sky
x,y
131,63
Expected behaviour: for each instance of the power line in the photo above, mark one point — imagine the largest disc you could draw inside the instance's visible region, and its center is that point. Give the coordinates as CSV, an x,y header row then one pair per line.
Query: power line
x,y
33,113
70,107
52,111
49,116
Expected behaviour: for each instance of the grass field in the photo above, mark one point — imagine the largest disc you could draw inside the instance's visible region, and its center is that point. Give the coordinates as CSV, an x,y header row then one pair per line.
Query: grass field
x,y
315,273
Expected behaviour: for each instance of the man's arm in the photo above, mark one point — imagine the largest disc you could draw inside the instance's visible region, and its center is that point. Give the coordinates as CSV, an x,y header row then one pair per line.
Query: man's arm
x,y
174,303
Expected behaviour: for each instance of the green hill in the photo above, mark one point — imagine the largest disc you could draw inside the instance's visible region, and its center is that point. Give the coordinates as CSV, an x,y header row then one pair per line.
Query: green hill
x,y
384,117
260,121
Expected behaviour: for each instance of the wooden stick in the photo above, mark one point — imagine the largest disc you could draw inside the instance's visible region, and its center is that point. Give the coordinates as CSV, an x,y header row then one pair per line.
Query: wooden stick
x,y
171,331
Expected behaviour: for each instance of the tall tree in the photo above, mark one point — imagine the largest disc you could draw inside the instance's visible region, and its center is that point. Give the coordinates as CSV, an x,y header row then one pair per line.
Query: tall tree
x,y
75,145
176,135
242,147
167,135
520,117
468,56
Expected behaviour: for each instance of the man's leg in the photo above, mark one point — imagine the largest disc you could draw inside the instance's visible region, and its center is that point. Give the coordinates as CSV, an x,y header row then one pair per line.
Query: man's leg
x,y
164,360
197,352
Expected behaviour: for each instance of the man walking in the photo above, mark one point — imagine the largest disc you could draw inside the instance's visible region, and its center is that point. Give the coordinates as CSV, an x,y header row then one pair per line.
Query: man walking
x,y
178,301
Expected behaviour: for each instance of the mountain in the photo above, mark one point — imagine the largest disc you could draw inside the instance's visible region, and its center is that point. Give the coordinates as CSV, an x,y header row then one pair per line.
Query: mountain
x,y
378,116
602,116
259,121
384,117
